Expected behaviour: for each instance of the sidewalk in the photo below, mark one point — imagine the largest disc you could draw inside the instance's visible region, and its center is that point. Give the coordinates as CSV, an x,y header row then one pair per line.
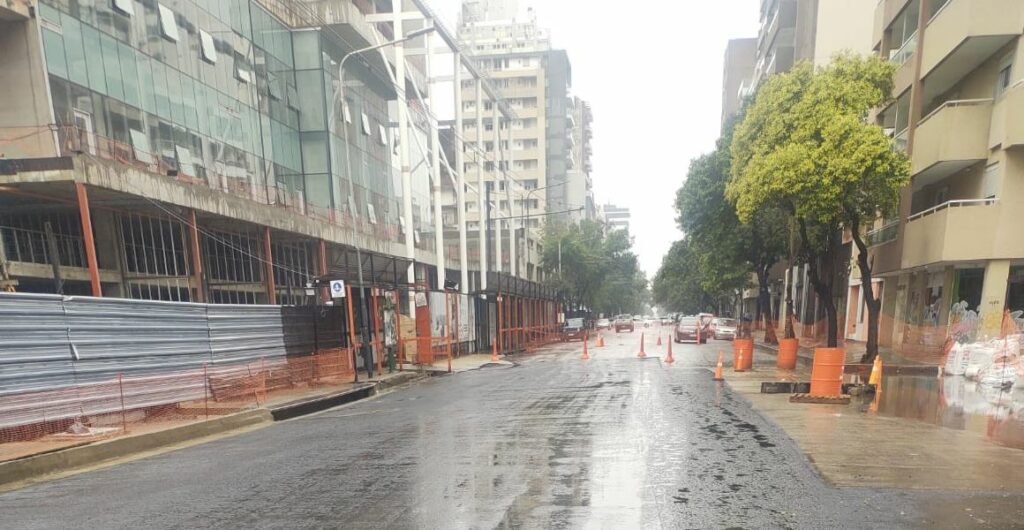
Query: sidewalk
x,y
853,447
854,351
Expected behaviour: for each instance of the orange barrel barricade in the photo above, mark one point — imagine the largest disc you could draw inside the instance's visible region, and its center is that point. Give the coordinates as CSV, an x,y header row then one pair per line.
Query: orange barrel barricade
x,y
787,353
827,372
742,354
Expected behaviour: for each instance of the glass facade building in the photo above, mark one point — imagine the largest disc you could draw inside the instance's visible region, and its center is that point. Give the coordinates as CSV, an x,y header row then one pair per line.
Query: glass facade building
x,y
224,94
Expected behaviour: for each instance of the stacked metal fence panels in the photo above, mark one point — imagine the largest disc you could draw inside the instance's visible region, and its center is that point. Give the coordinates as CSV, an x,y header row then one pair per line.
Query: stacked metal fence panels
x,y
54,349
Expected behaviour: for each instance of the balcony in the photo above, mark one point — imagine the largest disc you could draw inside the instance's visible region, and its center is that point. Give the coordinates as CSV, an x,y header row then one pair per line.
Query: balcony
x,y
1008,119
951,138
962,36
14,10
963,230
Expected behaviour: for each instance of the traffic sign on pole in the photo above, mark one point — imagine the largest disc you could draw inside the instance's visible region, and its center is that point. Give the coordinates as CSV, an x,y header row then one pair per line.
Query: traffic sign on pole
x,y
337,289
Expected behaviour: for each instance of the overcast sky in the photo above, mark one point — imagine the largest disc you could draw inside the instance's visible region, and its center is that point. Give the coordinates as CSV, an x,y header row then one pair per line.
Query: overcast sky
x,y
653,76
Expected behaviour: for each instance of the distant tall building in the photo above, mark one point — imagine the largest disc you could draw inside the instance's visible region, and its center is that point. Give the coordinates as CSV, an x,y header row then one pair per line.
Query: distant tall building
x,y
616,217
737,75
580,187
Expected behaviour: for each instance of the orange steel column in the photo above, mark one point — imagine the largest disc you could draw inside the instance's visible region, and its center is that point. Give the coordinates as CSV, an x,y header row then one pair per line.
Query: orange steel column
x,y
376,331
268,257
321,259
497,325
352,331
90,243
197,261
448,328
399,346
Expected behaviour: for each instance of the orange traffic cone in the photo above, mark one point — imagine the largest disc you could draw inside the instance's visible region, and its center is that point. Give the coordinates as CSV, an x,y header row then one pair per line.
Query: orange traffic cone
x,y
876,372
600,340
494,351
670,359
718,369
586,354
642,353
659,339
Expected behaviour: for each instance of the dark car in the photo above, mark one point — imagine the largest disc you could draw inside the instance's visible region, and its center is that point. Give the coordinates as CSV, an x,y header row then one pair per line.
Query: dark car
x,y
690,329
574,329
624,323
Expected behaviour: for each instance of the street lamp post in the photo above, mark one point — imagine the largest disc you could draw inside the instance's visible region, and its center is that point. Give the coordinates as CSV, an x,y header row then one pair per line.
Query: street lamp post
x,y
348,163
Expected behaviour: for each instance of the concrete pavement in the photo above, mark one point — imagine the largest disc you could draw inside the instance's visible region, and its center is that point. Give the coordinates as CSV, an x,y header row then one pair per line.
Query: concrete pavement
x,y
553,442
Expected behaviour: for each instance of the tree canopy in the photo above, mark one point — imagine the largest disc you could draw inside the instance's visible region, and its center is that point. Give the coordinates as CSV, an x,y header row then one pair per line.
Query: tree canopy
x,y
599,270
806,146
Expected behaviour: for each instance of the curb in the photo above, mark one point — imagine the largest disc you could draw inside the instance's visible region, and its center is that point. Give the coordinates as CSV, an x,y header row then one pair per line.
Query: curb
x,y
74,458
303,407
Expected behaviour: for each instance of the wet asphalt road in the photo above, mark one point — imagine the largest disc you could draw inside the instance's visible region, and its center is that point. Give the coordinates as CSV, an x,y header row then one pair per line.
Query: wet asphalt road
x,y
552,443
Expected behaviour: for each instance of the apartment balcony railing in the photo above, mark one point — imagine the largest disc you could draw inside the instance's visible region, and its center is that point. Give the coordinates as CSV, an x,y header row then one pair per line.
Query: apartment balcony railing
x,y
958,230
882,235
951,138
962,36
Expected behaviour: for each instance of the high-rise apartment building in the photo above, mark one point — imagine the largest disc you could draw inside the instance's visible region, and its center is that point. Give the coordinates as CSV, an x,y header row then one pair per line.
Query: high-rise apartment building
x,y
580,186
737,75
534,78
615,217
955,250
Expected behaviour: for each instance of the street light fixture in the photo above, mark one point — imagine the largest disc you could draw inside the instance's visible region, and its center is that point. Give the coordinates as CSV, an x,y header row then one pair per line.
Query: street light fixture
x,y
348,165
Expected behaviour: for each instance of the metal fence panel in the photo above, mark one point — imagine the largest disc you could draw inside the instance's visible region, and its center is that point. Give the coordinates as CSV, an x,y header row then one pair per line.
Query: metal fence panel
x,y
241,333
34,347
113,336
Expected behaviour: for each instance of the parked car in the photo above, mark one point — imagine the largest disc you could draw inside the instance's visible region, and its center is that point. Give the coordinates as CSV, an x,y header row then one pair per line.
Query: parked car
x,y
624,323
574,329
649,321
603,323
724,328
667,321
690,329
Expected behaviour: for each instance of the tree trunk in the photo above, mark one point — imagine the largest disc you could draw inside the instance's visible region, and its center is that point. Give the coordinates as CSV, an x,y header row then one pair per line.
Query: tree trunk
x,y
873,304
764,305
822,277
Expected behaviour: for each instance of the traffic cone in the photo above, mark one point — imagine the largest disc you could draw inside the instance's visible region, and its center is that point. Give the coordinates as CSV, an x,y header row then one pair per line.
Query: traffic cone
x,y
659,339
718,369
739,363
586,354
600,340
670,359
876,372
494,351
642,353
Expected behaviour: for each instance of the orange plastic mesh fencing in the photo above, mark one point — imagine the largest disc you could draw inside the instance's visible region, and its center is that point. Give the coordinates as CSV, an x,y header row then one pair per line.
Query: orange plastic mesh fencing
x,y
33,422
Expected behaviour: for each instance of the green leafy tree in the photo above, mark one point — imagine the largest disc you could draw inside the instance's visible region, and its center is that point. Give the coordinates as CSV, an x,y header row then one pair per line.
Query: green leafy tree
x,y
805,146
598,271
678,286
729,250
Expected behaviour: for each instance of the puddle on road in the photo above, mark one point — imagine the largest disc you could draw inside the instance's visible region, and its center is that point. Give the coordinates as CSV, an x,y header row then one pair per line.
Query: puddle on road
x,y
956,403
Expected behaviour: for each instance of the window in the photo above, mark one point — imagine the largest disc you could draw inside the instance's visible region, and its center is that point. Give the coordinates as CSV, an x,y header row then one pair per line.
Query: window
x,y
140,147
347,113
383,135
990,182
366,124
209,50
168,27
1003,78
371,213
124,7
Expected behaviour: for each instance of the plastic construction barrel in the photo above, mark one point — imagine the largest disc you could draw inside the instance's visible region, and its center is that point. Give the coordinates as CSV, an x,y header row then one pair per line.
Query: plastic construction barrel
x,y
742,348
787,353
827,372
